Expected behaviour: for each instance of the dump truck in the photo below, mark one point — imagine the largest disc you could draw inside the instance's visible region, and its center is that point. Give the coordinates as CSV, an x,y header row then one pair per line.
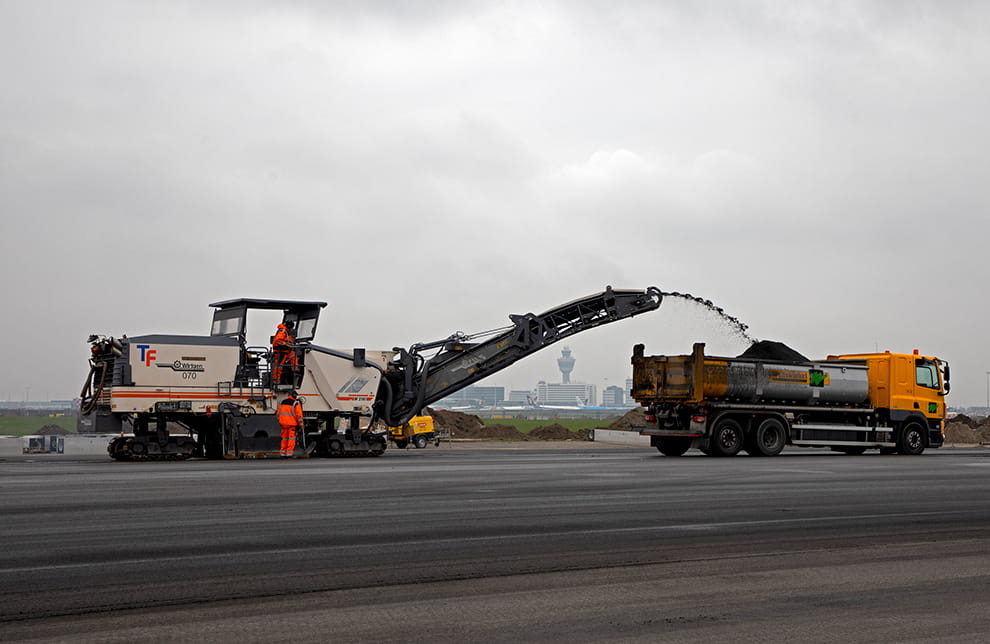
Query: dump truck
x,y
419,431
179,396
893,402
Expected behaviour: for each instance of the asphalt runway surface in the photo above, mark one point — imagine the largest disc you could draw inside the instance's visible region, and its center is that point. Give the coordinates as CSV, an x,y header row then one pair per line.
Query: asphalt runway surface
x,y
499,543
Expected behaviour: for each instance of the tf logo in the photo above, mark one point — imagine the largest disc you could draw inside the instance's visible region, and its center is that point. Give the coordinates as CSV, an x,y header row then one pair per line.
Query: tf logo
x,y
148,354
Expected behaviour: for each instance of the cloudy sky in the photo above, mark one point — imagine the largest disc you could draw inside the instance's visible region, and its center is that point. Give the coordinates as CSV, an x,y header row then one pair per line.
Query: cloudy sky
x,y
818,169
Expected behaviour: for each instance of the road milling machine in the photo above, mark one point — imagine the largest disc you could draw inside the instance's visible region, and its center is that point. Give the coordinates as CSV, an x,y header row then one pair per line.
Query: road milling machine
x,y
758,402
175,396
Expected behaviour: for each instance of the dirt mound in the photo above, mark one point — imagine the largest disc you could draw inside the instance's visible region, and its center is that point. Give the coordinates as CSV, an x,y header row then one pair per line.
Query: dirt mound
x,y
770,350
964,419
463,425
500,432
557,432
52,430
979,422
960,433
459,424
635,417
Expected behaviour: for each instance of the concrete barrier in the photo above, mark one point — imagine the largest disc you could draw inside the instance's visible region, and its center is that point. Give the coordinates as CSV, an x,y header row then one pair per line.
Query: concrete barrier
x,y
88,444
69,445
616,436
11,445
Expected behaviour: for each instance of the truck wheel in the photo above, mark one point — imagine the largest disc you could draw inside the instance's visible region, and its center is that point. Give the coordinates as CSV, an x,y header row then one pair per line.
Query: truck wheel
x,y
912,440
402,443
768,439
727,439
673,445
420,442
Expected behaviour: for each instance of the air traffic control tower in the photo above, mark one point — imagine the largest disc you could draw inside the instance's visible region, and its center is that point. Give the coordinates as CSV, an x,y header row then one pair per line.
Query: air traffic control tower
x,y
566,364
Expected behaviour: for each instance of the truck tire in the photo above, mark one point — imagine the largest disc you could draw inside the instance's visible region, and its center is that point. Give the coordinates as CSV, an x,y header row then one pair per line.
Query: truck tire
x,y
912,439
727,438
401,443
768,439
673,445
420,441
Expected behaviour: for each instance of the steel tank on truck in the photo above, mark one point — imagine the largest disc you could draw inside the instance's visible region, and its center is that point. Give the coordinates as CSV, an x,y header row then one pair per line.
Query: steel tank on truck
x,y
803,383
678,379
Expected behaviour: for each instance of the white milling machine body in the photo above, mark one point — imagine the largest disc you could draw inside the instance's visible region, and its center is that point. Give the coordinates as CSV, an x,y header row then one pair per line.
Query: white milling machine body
x,y
214,396
224,394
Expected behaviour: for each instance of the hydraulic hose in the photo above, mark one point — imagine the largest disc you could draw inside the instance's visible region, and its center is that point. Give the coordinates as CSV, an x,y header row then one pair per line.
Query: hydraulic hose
x,y
89,397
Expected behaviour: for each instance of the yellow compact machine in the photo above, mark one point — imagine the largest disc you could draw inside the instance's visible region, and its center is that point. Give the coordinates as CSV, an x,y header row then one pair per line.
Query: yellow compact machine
x,y
760,402
420,431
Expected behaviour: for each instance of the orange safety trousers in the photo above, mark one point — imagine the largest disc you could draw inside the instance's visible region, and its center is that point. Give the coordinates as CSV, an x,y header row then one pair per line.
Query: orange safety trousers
x,y
289,418
288,440
284,357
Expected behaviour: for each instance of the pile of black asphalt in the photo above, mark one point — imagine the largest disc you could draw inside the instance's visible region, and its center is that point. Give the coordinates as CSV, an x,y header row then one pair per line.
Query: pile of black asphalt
x,y
771,350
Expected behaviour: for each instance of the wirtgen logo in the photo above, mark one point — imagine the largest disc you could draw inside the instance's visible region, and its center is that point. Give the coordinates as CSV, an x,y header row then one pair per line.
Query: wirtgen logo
x,y
178,365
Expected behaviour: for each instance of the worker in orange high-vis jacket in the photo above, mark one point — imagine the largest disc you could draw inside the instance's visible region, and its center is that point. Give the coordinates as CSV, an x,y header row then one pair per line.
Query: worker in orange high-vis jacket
x,y
290,419
284,355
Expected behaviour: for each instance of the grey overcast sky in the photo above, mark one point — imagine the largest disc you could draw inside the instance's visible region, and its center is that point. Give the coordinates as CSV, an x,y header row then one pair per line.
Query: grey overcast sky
x,y
818,169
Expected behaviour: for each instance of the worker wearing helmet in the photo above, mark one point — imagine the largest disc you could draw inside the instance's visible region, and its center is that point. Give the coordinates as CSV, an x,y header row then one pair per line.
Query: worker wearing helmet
x,y
290,419
284,353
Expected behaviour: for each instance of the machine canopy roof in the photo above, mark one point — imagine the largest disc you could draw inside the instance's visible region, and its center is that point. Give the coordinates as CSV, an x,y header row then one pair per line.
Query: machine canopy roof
x,y
274,305
230,317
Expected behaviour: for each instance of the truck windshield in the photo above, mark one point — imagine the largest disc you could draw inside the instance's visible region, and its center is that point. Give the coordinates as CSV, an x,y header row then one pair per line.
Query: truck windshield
x,y
927,374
